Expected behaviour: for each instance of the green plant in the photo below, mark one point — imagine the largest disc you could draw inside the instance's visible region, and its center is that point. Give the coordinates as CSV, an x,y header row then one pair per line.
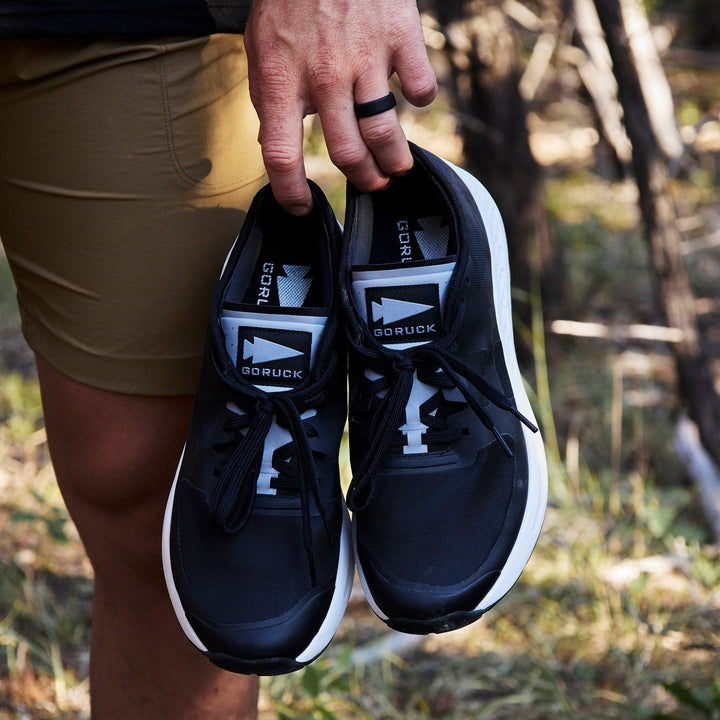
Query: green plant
x,y
54,518
705,701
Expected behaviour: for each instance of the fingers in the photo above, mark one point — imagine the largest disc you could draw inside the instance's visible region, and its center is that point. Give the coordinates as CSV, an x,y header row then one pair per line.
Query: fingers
x,y
367,150
376,145
281,141
345,57
382,133
347,148
419,84
274,91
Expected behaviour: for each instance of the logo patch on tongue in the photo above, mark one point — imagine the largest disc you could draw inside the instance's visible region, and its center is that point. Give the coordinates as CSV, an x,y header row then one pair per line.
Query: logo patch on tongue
x,y
405,314
268,356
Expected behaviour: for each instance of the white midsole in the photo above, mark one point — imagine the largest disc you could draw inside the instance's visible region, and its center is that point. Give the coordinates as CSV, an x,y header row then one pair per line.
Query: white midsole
x,y
341,594
167,567
537,465
363,582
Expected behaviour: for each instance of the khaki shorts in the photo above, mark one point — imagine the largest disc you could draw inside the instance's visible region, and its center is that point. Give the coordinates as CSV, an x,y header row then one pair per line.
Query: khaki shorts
x,y
126,169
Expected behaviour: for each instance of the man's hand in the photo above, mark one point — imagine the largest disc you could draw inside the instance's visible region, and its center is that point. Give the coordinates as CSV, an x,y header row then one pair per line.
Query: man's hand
x,y
323,56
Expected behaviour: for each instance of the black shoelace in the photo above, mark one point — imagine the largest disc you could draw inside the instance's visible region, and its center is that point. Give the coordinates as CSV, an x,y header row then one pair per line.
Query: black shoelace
x,y
400,366
234,493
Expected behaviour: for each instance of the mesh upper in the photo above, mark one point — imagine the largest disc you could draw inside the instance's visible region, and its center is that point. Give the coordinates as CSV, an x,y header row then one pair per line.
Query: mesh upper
x,y
251,576
412,544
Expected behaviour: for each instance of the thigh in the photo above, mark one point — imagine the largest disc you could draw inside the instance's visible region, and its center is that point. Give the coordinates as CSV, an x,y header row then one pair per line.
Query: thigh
x,y
125,172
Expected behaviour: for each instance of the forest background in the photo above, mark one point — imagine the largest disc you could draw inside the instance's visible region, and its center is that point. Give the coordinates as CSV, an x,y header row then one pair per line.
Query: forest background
x,y
605,160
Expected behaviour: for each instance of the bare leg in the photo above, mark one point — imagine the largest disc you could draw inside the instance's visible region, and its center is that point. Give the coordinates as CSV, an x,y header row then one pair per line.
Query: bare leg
x,y
115,457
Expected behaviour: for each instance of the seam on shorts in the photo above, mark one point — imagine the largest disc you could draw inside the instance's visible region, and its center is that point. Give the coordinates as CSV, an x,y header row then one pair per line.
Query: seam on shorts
x,y
232,183
133,375
36,325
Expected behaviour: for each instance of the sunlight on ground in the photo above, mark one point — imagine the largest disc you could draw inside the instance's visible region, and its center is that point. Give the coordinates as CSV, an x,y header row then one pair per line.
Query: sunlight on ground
x,y
617,614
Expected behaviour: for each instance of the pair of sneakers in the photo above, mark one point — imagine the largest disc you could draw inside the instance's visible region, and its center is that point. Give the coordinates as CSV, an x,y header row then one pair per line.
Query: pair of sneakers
x,y
449,481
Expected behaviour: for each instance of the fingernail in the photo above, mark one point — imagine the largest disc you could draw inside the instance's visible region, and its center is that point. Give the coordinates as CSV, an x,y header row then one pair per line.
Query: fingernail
x,y
299,210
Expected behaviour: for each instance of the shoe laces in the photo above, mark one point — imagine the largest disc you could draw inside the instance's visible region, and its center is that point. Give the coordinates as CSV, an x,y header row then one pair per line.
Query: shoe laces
x,y
447,370
235,489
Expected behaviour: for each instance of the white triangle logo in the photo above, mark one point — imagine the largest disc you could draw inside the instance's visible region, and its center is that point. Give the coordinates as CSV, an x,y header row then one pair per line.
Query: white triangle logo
x,y
263,351
390,310
294,287
434,237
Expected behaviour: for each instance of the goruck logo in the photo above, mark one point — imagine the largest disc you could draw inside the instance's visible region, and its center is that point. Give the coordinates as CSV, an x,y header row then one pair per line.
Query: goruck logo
x,y
268,356
410,313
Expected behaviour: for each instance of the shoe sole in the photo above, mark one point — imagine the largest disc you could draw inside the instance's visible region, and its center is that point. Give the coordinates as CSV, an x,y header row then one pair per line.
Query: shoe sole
x,y
265,666
534,514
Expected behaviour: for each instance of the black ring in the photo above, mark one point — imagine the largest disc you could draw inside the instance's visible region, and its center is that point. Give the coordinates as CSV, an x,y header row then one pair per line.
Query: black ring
x,y
375,107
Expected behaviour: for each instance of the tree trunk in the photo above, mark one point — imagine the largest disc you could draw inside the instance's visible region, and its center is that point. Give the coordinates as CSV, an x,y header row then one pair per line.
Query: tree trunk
x,y
596,73
484,75
653,81
660,219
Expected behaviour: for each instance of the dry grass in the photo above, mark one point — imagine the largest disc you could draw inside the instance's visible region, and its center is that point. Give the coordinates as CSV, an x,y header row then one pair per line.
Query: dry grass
x,y
616,616
618,612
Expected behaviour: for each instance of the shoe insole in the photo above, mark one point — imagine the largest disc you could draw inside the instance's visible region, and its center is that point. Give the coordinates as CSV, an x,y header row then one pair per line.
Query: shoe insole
x,y
410,223
288,269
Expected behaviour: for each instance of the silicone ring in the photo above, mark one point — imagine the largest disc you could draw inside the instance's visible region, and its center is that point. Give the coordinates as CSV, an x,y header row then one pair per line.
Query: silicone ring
x,y
375,107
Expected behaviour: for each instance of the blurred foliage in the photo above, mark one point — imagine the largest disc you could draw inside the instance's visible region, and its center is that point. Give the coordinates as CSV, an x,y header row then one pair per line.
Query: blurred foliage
x,y
617,615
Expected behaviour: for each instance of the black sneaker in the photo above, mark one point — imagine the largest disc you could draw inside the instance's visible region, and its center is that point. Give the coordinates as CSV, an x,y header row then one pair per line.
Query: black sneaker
x,y
450,480
256,540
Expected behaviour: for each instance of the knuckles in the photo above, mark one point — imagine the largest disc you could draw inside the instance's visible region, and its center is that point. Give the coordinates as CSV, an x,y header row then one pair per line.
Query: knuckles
x,y
323,75
280,158
422,91
347,157
379,131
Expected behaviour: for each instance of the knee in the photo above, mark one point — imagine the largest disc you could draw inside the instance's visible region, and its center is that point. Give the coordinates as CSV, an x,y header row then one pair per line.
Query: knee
x,y
114,457
116,496
116,477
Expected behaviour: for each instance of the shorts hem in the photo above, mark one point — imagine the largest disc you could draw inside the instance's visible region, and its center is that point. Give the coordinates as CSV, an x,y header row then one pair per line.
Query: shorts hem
x,y
129,376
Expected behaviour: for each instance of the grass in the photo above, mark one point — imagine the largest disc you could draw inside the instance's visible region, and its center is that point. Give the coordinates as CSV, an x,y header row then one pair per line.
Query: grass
x,y
617,615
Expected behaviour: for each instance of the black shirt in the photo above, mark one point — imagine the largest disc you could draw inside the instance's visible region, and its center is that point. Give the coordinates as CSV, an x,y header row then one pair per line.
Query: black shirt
x,y
132,18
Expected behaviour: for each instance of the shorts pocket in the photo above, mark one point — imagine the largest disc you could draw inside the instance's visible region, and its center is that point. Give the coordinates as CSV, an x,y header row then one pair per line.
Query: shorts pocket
x,y
210,123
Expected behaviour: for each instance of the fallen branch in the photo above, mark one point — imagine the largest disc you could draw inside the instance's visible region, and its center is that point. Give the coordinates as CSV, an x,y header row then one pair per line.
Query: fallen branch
x,y
703,471
623,573
655,333
687,57
392,645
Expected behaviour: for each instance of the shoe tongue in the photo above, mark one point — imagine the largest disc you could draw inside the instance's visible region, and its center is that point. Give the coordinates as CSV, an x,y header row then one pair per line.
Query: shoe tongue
x,y
272,348
402,303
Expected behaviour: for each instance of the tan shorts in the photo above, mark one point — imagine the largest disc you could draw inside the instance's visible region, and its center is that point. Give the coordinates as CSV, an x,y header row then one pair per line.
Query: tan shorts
x,y
126,169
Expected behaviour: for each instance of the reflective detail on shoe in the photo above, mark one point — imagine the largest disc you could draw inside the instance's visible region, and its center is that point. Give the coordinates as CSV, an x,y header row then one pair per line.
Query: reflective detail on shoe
x,y
402,304
414,428
390,310
393,317
294,287
259,350
434,237
276,438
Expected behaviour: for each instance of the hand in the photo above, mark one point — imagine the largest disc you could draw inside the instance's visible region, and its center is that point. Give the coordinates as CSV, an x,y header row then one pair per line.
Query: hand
x,y
307,56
